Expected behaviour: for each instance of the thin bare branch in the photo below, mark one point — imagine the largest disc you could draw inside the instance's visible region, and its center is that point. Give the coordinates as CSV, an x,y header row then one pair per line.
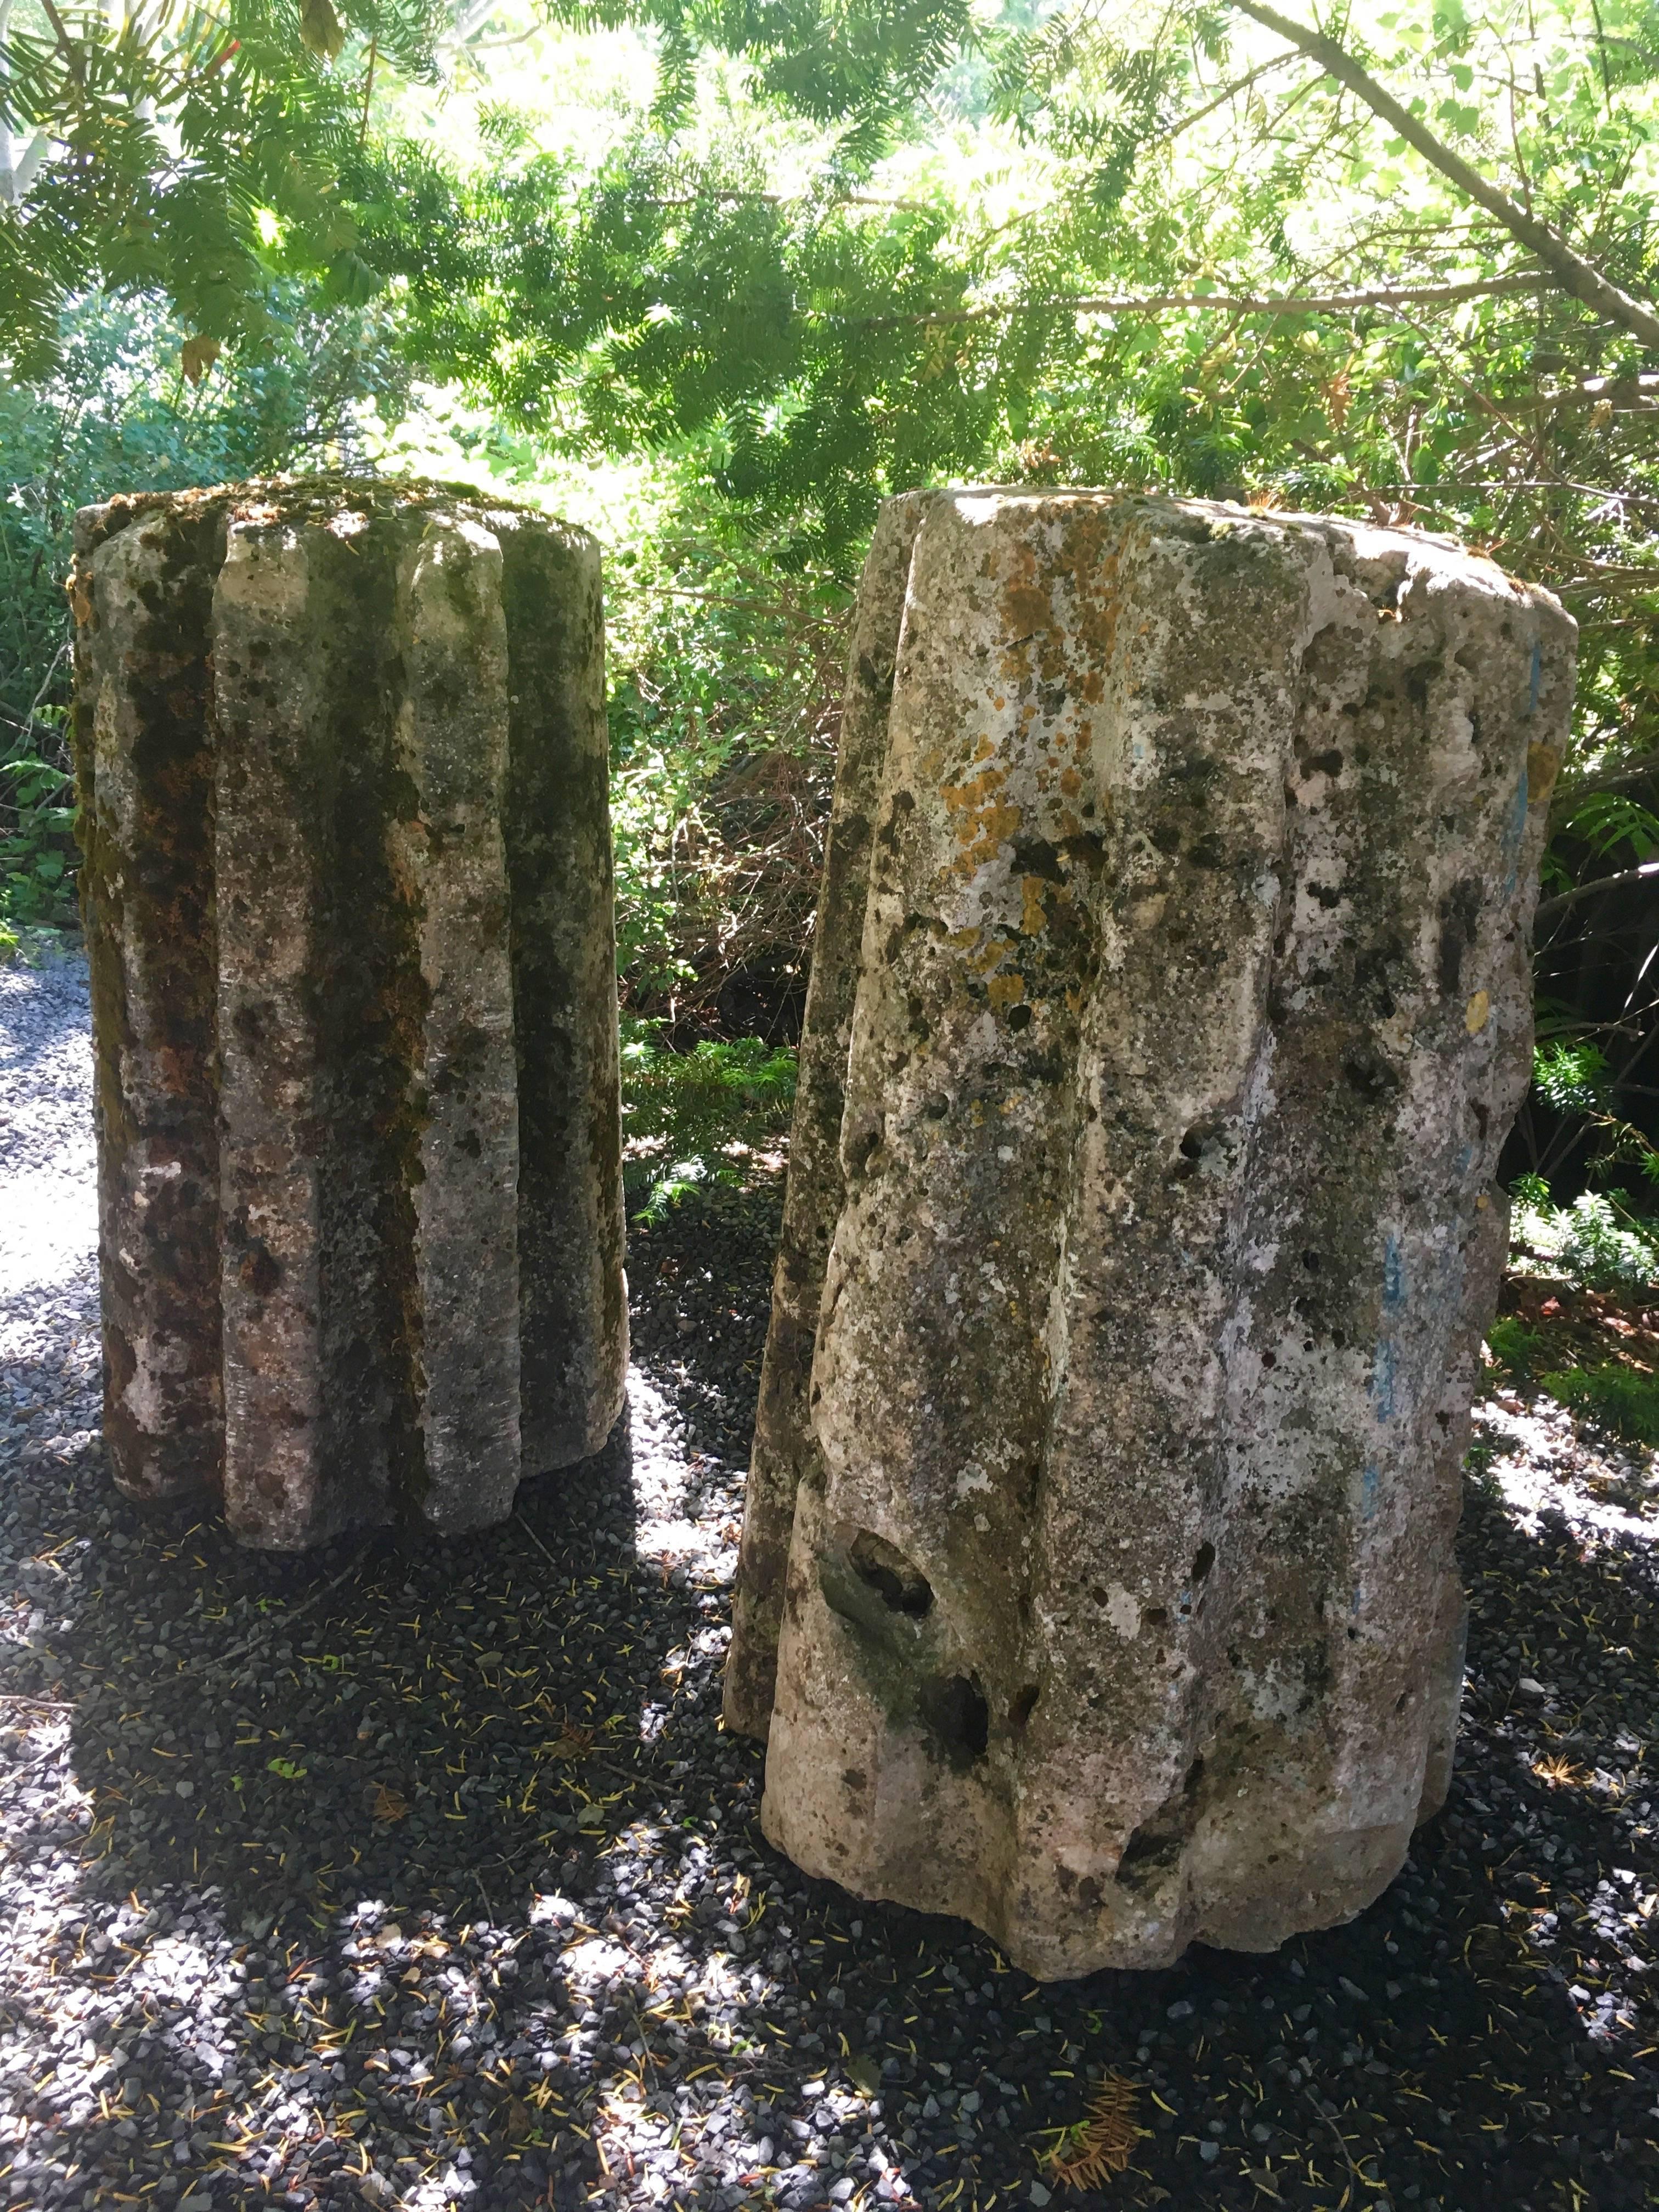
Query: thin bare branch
x,y
1269,303
1550,906
1570,270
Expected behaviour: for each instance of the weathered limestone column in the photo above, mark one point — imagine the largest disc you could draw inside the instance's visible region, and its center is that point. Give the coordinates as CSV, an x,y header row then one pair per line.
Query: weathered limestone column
x,y
347,892
1170,1008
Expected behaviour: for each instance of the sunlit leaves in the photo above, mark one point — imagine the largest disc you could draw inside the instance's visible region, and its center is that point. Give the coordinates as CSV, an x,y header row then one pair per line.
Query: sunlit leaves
x,y
190,152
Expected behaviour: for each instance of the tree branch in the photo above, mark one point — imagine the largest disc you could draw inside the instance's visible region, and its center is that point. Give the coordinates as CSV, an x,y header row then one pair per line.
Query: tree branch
x,y
1335,303
1563,900
71,52
1570,270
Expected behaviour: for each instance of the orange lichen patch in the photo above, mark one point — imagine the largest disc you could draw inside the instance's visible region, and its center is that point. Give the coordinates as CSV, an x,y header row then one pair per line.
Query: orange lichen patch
x,y
989,956
1034,908
977,792
988,820
1005,991
1070,782
1027,609
1542,761
997,822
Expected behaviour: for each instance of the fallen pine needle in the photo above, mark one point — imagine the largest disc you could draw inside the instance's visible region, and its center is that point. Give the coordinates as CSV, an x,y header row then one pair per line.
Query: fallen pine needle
x,y
1099,2145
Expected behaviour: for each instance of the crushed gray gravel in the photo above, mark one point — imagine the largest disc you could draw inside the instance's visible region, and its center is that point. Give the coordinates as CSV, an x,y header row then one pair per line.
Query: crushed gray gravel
x,y
425,1876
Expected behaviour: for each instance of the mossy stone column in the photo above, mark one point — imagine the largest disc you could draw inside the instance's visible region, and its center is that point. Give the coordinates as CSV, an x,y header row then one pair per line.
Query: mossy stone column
x,y
347,894
1170,1008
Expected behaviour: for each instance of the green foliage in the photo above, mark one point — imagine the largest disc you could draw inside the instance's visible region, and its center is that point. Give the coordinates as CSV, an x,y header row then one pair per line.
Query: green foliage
x,y
1074,272
121,414
1605,1247
861,69
725,683
190,153
1599,1242
1571,1077
1620,1399
1513,1345
1605,820
682,1112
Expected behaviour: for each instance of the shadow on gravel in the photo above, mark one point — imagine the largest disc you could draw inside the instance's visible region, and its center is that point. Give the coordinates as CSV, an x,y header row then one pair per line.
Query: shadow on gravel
x,y
417,1877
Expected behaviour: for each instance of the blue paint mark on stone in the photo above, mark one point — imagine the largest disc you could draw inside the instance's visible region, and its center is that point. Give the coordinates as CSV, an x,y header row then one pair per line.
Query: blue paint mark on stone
x,y
1382,1373
1369,1484
1514,830
1394,1273
1394,1298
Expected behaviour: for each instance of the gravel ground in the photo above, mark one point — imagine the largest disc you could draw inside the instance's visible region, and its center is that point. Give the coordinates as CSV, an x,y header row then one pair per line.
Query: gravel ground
x,y
415,1877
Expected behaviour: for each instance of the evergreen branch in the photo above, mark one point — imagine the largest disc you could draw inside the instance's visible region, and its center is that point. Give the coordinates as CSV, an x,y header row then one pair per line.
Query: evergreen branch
x,y
1621,779
1574,275
1334,303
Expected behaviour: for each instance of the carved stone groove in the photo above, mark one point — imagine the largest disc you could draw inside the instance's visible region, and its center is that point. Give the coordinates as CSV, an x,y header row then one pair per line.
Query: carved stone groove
x,y
347,893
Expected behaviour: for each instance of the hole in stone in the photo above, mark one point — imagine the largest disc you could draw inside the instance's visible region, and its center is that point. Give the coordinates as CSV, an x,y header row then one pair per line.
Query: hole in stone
x,y
937,1106
1203,1560
1270,1360
1311,1262
1019,1017
1402,1701
1145,1850
1023,1706
1193,1776
954,1709
864,1150
1369,1072
891,1575
1156,1616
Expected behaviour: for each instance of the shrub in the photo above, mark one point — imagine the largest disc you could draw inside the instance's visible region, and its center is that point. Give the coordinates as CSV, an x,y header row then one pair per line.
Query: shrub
x,y
1512,1344
1598,1242
1605,1247
1619,1399
683,1112
121,414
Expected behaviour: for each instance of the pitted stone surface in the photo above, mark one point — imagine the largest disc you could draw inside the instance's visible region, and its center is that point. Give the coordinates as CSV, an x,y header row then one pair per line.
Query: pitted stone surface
x,y
1172,1007
347,891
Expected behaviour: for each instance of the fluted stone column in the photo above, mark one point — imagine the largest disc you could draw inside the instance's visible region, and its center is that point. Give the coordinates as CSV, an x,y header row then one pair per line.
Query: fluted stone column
x,y
1170,1008
347,894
